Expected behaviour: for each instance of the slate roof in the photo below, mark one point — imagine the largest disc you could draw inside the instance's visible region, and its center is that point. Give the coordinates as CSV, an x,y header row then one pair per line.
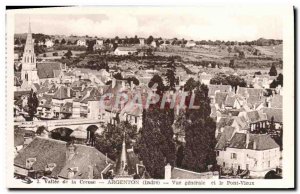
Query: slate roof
x,y
243,91
45,151
62,93
229,101
262,142
48,69
85,156
133,49
276,101
220,98
224,137
255,116
48,151
222,88
276,113
178,173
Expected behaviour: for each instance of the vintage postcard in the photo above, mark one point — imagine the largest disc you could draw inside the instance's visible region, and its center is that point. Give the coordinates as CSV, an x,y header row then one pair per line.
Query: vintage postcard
x,y
150,97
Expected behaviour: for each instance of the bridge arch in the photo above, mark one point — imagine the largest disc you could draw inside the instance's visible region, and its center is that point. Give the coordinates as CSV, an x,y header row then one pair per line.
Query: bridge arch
x,y
61,133
272,175
91,130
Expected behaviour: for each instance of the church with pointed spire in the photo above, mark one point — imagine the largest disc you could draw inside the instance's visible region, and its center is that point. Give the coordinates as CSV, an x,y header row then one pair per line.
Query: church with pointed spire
x,y
29,72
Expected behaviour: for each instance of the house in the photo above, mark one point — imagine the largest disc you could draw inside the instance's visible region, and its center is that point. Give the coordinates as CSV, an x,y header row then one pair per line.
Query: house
x,y
49,43
205,78
256,119
275,101
125,51
274,115
45,157
212,89
247,92
153,44
81,42
133,113
98,45
244,153
190,44
142,41
50,71
179,173
62,102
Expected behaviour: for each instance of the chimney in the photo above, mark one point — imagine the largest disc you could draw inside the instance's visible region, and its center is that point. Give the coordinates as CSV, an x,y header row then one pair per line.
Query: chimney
x,y
168,170
247,140
71,173
113,82
70,151
82,87
90,172
68,91
106,161
254,145
131,85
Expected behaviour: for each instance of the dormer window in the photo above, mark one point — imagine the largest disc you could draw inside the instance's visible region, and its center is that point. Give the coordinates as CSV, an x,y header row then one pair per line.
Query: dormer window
x,y
72,172
30,162
50,167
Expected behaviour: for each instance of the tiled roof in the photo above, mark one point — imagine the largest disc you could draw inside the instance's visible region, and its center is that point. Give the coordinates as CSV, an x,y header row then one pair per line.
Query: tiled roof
x,y
225,136
133,49
276,101
19,94
276,113
249,91
46,69
47,151
62,93
229,101
178,173
220,98
221,88
256,142
255,116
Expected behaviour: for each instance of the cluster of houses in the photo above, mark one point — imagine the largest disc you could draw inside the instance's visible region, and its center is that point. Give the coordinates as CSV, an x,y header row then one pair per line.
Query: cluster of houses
x,y
244,117
244,140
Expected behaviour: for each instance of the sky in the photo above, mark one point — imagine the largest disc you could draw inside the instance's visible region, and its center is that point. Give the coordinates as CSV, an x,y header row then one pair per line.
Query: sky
x,y
203,23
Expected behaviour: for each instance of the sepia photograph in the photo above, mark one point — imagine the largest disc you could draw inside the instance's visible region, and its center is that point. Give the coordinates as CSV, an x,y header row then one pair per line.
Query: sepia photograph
x,y
151,97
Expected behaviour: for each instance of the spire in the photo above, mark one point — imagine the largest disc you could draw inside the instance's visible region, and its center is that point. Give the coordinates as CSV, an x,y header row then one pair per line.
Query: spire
x,y
122,166
29,46
29,27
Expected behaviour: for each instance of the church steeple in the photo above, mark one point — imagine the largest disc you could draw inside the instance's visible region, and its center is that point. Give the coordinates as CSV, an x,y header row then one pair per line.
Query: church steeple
x,y
122,163
29,70
29,46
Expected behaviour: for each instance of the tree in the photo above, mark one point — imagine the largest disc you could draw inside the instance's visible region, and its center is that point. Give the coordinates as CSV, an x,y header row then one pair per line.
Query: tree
x,y
110,140
233,80
231,63
134,80
32,104
149,39
273,71
156,146
118,76
199,134
190,84
277,81
171,79
156,79
56,41
63,41
69,54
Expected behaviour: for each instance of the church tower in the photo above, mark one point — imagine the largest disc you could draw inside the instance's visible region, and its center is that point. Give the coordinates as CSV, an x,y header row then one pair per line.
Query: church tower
x,y
29,70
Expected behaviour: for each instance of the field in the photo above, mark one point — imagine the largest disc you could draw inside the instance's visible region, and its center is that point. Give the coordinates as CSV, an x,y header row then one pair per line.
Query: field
x,y
252,57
